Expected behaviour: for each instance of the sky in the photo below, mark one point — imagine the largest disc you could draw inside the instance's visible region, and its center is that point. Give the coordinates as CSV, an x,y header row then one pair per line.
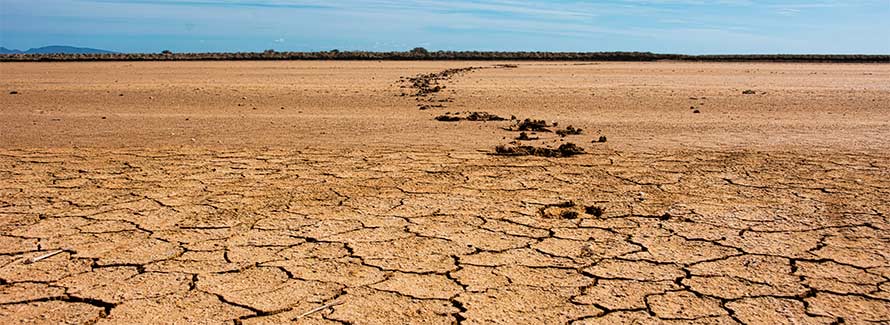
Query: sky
x,y
663,26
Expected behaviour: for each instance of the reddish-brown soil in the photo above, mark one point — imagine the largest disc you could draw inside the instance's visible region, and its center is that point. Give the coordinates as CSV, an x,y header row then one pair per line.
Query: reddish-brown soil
x,y
256,192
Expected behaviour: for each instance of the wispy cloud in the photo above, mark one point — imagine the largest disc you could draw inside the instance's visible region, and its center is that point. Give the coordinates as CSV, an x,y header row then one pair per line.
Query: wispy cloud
x,y
702,26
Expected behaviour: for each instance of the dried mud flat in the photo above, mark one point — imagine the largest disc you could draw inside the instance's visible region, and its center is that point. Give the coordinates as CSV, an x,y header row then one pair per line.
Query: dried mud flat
x,y
319,192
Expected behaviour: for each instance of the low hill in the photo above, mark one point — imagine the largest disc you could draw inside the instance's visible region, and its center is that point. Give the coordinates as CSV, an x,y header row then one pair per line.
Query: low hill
x,y
55,49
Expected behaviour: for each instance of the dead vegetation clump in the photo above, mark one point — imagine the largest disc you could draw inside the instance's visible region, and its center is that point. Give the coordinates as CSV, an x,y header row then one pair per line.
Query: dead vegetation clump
x,y
564,150
530,125
570,130
469,116
596,211
447,118
524,137
568,214
428,83
424,107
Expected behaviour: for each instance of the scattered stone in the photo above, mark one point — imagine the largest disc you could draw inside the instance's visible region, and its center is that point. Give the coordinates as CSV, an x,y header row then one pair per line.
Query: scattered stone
x,y
749,92
601,139
13,92
696,111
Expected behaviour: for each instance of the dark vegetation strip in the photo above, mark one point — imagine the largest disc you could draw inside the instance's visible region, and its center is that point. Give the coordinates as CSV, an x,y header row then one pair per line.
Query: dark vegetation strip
x,y
421,54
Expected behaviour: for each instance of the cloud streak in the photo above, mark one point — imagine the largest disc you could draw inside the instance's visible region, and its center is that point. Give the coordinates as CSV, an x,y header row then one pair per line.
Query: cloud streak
x,y
679,26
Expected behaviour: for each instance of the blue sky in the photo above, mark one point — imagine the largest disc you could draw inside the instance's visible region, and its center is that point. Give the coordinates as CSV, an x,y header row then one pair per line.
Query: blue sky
x,y
667,26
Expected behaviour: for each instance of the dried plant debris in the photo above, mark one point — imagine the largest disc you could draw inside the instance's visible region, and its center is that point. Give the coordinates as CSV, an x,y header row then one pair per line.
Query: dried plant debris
x,y
428,83
568,214
564,150
524,137
469,116
530,125
570,130
596,211
424,107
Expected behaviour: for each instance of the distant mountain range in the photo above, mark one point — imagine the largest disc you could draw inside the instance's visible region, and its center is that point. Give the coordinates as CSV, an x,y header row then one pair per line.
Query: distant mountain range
x,y
55,49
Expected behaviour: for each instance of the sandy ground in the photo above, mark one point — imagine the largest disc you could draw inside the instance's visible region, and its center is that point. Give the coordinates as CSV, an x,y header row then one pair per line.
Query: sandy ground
x,y
258,192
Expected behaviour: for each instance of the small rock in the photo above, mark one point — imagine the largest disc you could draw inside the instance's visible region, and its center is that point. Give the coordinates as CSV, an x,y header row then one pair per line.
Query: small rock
x,y
13,92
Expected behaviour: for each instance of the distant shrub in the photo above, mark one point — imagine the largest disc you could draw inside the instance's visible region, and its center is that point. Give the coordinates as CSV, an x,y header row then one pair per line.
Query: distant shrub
x,y
420,53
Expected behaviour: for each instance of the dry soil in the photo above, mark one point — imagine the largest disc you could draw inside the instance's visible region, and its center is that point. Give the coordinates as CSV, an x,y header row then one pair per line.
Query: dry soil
x,y
256,192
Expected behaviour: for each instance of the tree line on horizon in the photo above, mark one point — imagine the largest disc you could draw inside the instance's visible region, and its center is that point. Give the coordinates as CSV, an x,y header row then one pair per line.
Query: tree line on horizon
x,y
423,54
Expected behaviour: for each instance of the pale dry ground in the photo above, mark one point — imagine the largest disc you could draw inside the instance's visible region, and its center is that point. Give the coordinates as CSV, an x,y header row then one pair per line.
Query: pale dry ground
x,y
252,192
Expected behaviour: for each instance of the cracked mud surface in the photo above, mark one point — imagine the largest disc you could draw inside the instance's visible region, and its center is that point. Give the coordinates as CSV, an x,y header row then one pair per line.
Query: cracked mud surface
x,y
259,233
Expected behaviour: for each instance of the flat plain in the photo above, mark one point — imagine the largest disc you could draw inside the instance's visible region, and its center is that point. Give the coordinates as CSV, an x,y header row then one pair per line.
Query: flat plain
x,y
320,192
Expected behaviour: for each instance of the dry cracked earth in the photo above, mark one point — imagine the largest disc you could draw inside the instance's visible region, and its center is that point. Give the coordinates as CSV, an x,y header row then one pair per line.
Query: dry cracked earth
x,y
295,226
